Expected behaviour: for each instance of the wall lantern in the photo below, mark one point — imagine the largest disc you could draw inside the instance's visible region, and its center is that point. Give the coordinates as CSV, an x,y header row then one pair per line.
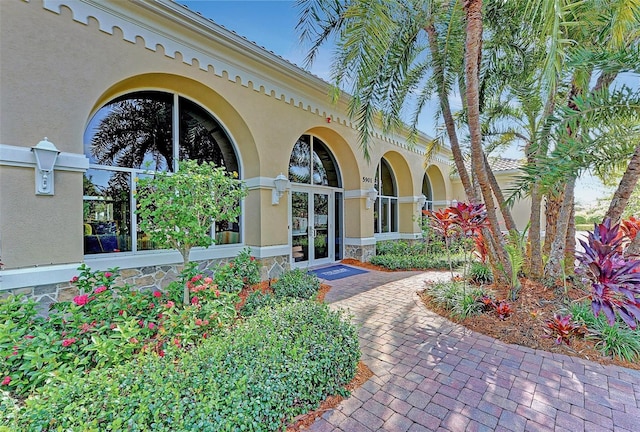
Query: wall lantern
x,y
422,200
46,154
372,195
454,203
281,183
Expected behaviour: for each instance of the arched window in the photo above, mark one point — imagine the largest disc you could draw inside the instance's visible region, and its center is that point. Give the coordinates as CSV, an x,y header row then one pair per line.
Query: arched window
x,y
133,136
385,214
427,192
312,162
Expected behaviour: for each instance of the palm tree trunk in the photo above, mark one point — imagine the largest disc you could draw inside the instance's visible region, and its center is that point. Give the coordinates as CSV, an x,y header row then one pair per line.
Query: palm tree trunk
x,y
570,245
625,188
473,51
534,249
497,191
554,267
449,123
554,202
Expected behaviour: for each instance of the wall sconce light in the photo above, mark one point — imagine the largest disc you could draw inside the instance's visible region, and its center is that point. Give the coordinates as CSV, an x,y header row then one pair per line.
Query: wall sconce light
x,y
454,203
46,154
372,195
281,183
422,200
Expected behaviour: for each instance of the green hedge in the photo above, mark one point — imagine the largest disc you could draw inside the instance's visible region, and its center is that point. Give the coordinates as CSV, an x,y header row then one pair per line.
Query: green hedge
x,y
278,364
407,262
298,284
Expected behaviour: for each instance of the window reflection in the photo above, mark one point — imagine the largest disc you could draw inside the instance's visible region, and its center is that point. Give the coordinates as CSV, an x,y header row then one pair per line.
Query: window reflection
x,y
323,171
132,136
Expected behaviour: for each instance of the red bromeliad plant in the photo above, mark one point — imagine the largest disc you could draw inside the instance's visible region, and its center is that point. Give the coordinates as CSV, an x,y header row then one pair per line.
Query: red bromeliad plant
x,y
562,328
615,280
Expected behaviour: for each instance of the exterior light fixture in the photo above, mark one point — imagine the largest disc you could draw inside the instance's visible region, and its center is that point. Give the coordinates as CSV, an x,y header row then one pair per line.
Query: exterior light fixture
x,y
372,195
454,203
46,154
422,200
281,183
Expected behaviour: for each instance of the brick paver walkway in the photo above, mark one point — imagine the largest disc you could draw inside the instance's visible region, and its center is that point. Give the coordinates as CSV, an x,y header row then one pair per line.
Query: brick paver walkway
x,y
431,374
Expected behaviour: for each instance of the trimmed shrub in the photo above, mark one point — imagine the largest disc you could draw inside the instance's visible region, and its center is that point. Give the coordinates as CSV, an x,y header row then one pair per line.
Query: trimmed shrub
x,y
296,283
408,262
256,300
278,364
399,247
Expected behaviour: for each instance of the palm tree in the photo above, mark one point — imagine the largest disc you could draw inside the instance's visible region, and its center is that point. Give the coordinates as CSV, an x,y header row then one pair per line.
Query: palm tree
x,y
381,52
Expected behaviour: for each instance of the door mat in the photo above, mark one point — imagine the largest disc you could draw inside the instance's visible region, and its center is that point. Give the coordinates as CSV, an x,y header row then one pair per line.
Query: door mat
x,y
337,271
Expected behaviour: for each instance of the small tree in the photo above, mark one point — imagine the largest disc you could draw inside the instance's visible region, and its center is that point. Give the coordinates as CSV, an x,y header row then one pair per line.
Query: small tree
x,y
178,210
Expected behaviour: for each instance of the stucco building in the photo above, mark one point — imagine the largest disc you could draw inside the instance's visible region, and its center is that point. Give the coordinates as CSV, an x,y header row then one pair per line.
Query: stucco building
x,y
123,87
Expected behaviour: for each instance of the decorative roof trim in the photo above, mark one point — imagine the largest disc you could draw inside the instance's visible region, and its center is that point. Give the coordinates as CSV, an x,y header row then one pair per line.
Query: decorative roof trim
x,y
117,14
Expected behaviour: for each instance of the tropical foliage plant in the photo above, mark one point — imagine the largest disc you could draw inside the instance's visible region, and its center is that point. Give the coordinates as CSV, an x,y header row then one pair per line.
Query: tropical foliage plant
x,y
614,280
178,210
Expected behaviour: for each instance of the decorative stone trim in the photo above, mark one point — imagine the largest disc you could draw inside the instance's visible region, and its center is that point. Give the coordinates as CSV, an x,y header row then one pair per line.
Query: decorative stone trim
x,y
362,252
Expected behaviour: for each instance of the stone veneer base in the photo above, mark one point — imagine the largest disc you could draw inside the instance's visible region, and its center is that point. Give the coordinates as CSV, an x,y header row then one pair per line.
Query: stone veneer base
x,y
143,278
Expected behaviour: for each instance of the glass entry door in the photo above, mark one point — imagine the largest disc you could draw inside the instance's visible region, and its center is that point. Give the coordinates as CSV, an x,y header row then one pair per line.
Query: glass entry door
x,y
312,234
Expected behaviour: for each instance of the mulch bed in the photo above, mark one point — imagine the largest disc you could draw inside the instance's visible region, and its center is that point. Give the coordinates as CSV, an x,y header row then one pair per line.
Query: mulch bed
x,y
535,305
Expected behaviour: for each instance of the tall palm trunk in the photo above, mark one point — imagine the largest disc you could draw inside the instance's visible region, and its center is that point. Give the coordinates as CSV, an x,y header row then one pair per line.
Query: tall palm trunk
x,y
554,268
473,52
438,72
534,249
554,202
509,223
625,188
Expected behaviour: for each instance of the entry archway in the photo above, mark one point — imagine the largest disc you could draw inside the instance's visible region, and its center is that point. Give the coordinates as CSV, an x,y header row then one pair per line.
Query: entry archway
x,y
316,203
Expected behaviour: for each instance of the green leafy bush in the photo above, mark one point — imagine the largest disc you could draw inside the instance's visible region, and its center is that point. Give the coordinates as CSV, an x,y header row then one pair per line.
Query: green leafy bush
x,y
614,340
227,279
399,247
480,273
256,300
276,365
457,297
408,262
296,283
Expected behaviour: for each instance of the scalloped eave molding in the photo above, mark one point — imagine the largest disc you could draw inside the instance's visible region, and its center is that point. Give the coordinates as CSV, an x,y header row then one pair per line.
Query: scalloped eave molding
x,y
117,14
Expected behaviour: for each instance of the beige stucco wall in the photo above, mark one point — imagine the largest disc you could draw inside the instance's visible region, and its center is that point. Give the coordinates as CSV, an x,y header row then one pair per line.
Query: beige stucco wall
x,y
57,71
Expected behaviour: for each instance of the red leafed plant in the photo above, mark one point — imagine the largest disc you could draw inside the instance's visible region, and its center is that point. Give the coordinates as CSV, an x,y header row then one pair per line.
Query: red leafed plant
x,y
614,279
501,307
442,222
562,328
630,227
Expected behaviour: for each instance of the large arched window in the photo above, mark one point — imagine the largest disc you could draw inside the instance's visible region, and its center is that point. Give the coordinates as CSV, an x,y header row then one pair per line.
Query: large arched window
x,y
133,136
385,214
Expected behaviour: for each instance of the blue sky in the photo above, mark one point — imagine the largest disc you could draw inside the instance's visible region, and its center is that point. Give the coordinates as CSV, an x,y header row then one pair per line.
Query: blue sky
x,y
271,25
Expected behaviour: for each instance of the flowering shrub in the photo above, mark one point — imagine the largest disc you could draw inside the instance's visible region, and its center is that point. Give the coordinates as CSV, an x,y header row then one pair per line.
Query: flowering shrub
x,y
243,271
614,279
273,367
104,325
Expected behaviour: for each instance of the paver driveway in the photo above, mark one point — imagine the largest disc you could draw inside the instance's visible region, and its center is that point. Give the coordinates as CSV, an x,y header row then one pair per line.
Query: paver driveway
x,y
431,374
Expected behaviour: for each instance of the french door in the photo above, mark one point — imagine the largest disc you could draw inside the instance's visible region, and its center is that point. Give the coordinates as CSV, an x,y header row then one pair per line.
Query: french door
x,y
312,227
